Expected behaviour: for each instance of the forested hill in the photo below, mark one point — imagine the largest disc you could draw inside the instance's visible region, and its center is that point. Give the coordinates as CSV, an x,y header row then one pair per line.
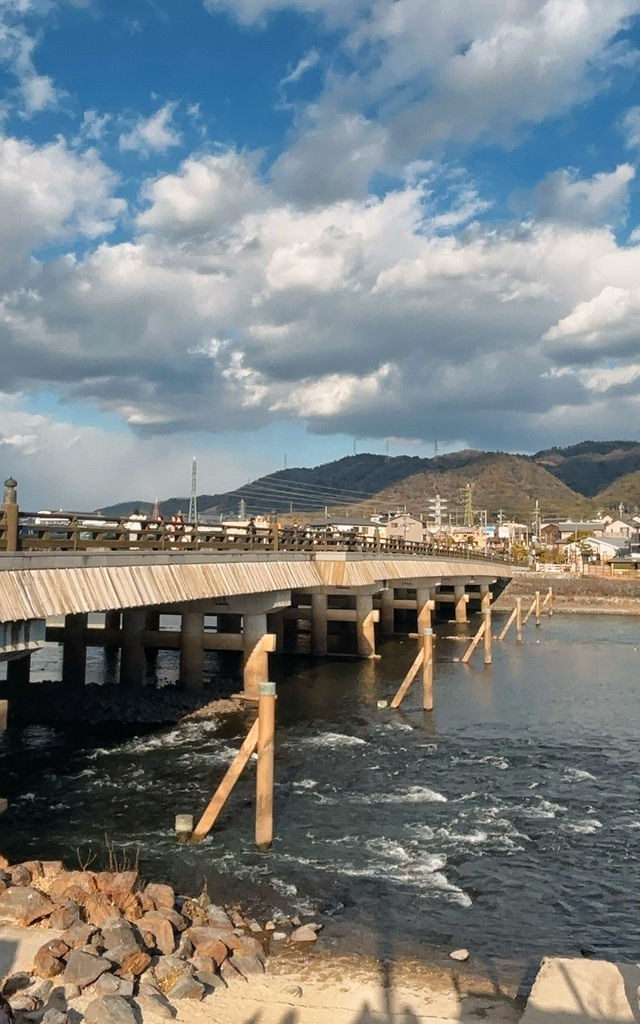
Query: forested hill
x,y
560,478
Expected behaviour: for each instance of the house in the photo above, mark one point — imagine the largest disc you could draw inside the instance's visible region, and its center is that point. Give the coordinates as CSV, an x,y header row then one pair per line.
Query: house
x,y
605,548
572,531
549,534
404,526
350,525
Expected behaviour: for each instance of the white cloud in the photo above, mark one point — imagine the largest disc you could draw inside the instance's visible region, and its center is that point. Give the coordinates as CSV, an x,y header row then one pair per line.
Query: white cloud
x,y
606,324
631,127
154,134
563,196
36,92
48,194
310,60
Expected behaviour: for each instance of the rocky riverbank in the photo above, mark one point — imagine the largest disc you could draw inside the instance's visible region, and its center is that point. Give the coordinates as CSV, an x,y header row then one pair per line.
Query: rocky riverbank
x,y
115,951
578,594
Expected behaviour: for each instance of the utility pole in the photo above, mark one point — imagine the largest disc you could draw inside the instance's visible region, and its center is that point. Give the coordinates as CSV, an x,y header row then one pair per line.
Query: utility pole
x,y
242,509
193,501
468,508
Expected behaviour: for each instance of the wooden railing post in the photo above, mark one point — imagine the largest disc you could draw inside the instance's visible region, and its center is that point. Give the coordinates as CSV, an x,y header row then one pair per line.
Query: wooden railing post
x,y
10,511
264,773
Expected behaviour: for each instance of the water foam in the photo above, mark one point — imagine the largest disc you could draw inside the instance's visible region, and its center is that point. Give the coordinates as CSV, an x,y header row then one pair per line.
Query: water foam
x,y
333,739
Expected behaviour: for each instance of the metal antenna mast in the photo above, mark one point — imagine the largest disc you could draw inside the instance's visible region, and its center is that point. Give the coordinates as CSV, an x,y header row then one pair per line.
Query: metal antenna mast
x,y
193,501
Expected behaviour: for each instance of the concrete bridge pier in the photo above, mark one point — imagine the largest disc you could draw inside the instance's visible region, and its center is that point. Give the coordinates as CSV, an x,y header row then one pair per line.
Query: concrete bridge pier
x,y
257,642
366,617
319,623
387,611
18,674
74,650
132,661
191,649
460,599
275,626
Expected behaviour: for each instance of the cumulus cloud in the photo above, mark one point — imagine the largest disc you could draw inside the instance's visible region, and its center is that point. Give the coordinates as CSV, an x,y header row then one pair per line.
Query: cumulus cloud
x,y
154,134
421,77
35,92
563,196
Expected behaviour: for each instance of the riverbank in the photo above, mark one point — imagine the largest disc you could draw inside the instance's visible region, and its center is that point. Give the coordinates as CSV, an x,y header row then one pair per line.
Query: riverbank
x,y
605,595
102,948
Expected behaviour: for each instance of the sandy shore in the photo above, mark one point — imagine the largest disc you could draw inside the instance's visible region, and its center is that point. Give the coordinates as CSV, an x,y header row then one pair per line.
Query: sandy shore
x,y
319,988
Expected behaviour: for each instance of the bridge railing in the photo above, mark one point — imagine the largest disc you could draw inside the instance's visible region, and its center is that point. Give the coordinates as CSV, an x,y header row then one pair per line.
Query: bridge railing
x,y
72,531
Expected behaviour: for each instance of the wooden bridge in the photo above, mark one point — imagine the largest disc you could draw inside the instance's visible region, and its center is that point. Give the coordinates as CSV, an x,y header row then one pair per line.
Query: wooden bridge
x,y
246,590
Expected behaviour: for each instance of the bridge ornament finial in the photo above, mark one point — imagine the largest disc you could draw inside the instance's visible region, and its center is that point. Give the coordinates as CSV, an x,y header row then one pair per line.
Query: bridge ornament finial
x,y
9,497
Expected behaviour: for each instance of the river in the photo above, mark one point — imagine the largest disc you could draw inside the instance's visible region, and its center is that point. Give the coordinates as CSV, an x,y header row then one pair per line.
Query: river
x,y
506,821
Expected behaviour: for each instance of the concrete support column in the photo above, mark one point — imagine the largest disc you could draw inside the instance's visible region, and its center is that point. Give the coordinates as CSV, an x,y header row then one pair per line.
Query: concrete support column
x,y
319,603
112,620
366,636
256,658
132,656
275,625
424,606
460,598
18,672
191,650
74,650
152,620
387,613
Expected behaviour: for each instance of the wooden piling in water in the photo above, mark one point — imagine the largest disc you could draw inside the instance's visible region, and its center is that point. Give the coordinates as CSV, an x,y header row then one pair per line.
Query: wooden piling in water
x,y
537,607
264,773
232,775
518,620
474,643
487,636
408,679
508,623
427,669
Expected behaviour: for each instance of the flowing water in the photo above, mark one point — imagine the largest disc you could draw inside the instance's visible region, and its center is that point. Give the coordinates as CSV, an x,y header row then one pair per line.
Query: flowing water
x,y
507,821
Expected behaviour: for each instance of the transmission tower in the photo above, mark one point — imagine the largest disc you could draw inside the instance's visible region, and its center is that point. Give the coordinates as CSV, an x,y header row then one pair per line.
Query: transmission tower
x,y
193,501
468,508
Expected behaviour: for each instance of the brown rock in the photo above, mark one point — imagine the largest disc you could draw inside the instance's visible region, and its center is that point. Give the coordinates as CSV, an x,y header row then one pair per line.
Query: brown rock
x,y
160,929
118,885
83,880
247,965
204,934
4,863
24,905
99,908
131,907
3,885
146,903
203,963
177,920
46,965
135,962
74,894
160,895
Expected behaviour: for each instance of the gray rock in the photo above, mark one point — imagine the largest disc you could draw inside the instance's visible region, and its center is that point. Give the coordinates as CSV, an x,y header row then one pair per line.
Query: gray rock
x,y
109,985
170,969
247,965
251,947
42,990
186,988
296,922
55,1017
84,968
219,916
270,926
254,926
211,980
78,935
279,936
153,1002
24,905
185,948
306,933
119,941
109,1010
230,975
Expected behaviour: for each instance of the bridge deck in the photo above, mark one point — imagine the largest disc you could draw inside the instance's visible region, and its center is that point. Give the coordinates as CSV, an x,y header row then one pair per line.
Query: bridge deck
x,y
38,585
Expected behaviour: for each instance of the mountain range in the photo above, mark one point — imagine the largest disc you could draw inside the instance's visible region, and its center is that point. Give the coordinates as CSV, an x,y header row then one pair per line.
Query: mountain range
x,y
581,480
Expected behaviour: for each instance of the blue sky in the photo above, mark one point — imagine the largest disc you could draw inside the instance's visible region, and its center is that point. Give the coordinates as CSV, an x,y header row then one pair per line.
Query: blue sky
x,y
248,228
